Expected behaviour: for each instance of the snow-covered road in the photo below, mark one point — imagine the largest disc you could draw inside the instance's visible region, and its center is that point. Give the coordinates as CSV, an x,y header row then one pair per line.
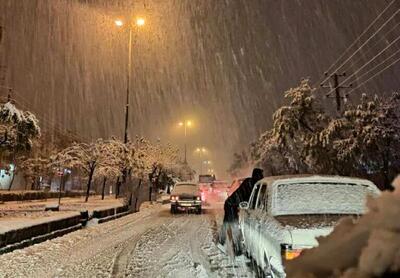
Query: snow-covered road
x,y
151,243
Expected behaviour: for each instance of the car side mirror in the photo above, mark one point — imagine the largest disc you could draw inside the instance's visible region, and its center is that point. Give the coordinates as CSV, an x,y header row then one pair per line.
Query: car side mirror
x,y
243,205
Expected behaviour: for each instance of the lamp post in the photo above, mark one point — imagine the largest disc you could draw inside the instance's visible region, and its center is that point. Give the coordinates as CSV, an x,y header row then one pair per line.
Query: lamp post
x,y
139,22
119,23
185,124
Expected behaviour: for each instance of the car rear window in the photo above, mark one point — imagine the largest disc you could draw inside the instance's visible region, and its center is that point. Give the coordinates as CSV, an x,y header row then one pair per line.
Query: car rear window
x,y
320,198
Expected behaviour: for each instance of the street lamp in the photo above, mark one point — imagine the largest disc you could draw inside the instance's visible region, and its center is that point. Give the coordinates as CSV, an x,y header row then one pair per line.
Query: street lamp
x,y
185,124
207,163
139,22
119,23
200,151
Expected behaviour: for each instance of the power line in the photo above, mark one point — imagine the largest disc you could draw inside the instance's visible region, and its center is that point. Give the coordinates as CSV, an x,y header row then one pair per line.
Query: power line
x,y
358,49
359,37
381,63
384,36
372,59
376,74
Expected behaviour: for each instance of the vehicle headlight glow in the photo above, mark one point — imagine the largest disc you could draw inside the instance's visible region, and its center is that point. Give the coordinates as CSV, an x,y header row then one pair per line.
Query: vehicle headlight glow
x,y
288,253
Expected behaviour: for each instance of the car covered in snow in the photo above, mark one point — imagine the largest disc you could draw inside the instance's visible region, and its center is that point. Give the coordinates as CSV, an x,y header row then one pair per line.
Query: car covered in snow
x,y
186,196
286,214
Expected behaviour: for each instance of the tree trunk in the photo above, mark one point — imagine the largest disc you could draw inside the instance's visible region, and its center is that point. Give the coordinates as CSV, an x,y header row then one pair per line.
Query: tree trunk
x,y
150,191
89,183
12,178
137,194
117,188
104,188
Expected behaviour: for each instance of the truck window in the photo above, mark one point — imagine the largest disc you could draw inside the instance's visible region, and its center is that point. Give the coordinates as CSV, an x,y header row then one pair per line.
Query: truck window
x,y
253,197
262,198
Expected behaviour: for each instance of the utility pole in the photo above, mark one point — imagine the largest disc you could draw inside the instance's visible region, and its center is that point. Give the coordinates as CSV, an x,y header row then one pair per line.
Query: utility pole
x,y
336,87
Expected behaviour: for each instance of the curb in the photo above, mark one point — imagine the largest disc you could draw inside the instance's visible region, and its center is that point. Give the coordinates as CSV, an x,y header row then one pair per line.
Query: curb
x,y
113,217
39,239
78,222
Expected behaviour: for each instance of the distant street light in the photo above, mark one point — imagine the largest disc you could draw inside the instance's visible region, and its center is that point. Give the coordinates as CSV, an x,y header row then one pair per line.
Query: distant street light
x,y
120,23
207,163
200,151
185,124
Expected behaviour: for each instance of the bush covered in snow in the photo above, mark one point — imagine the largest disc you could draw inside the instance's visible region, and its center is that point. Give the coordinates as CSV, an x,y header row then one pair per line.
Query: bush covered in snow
x,y
364,140
18,129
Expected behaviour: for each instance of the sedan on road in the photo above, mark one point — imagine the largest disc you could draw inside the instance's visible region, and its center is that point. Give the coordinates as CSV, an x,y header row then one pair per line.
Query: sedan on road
x,y
285,215
186,196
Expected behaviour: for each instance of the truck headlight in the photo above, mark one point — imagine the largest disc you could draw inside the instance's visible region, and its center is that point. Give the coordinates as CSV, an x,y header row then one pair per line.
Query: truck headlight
x,y
174,198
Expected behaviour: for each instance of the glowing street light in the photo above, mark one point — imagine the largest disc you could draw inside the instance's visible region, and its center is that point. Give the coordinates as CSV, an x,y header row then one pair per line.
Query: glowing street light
x,y
119,23
207,163
185,124
200,151
140,21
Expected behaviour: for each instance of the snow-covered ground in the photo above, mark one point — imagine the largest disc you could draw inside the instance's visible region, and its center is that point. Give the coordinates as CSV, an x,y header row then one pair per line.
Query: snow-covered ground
x,y
21,214
151,243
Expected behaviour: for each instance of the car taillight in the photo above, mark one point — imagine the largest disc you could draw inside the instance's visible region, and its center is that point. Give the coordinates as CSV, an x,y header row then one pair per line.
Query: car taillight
x,y
288,253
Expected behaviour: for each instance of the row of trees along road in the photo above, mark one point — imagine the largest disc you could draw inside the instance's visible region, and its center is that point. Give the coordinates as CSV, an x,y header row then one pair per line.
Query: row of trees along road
x,y
363,141
22,145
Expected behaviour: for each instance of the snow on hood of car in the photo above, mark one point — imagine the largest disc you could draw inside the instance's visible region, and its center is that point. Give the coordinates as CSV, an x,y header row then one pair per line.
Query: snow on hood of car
x,y
320,196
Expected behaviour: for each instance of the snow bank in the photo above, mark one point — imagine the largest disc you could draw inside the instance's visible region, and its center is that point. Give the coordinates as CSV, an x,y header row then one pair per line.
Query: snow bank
x,y
369,247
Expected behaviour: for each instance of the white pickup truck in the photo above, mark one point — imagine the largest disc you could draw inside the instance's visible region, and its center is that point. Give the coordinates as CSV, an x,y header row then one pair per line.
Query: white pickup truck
x,y
285,215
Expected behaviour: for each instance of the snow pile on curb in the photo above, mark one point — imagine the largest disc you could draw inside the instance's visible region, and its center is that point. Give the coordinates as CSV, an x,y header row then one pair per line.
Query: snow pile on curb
x,y
369,247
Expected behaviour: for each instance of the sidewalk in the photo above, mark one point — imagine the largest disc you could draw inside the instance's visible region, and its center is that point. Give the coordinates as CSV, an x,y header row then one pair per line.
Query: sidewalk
x,y
15,215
